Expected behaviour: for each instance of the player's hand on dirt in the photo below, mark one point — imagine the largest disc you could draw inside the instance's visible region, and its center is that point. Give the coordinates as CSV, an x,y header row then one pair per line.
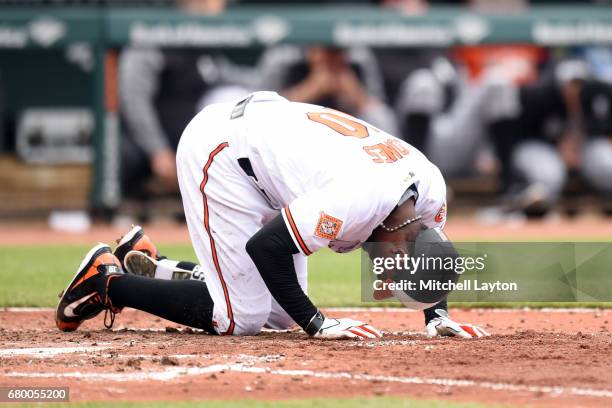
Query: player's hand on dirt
x,y
346,329
444,326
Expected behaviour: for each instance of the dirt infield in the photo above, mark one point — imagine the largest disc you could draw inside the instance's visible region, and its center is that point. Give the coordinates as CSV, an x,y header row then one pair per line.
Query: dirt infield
x,y
461,228
541,358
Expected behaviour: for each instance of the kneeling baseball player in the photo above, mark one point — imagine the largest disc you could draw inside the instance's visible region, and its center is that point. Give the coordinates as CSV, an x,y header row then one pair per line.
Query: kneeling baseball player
x,y
265,183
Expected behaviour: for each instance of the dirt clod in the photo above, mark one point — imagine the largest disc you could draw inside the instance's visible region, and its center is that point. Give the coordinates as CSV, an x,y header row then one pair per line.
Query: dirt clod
x,y
169,361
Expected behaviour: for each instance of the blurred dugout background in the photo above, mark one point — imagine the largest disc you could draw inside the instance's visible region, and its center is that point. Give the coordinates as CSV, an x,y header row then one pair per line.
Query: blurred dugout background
x,y
511,99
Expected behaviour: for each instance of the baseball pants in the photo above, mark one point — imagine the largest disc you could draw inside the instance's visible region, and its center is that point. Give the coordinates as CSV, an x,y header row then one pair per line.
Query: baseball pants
x,y
224,209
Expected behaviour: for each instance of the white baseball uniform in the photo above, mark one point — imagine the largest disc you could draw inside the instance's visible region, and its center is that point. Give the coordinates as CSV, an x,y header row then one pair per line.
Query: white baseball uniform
x,y
334,178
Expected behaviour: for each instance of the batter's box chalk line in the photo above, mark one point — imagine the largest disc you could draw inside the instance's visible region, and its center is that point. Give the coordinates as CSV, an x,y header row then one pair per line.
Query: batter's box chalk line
x,y
43,352
172,373
103,351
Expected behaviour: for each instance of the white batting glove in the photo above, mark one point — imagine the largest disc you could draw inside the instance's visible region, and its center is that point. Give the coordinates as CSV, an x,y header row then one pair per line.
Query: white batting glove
x,y
444,326
346,329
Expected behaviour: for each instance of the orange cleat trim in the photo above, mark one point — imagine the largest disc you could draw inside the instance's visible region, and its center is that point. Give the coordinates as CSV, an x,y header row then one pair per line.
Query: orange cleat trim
x,y
147,246
67,326
104,259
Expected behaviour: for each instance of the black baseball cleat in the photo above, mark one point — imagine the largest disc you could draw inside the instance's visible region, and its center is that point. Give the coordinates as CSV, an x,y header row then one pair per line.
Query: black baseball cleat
x,y
87,294
135,240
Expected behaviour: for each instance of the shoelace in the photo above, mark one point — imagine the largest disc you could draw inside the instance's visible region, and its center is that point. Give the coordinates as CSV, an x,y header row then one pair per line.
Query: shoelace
x,y
109,310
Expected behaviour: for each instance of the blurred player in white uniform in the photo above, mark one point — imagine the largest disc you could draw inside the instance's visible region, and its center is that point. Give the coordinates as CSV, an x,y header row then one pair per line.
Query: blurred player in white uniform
x,y
267,182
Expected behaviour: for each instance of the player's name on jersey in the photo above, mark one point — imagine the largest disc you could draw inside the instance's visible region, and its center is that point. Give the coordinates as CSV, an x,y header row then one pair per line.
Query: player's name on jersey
x,y
434,285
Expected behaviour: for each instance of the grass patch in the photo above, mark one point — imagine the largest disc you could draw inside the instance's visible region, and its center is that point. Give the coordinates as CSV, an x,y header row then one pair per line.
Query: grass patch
x,y
387,402
34,275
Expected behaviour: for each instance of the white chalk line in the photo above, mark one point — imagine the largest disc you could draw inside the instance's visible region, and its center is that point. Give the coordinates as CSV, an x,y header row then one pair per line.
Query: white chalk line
x,y
172,373
382,310
47,352
43,352
27,309
384,343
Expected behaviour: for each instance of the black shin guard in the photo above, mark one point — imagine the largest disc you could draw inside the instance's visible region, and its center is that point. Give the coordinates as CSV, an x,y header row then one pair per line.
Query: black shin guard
x,y
185,302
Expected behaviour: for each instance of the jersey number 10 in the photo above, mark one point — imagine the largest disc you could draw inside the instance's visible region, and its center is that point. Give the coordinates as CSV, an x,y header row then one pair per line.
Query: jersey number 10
x,y
388,152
